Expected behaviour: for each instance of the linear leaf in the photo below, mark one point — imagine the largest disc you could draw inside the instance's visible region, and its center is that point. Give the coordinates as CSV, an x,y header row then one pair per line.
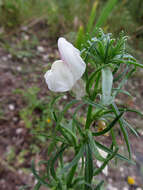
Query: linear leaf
x,y
106,149
109,157
104,14
131,128
71,134
88,165
98,187
52,167
123,129
94,148
92,16
75,160
40,179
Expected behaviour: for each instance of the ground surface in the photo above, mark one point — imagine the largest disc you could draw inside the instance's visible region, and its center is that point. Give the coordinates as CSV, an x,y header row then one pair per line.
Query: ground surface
x,y
22,73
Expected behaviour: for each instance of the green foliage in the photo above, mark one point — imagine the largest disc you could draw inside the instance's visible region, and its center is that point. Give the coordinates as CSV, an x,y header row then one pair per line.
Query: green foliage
x,y
118,22
92,26
105,12
57,15
35,114
10,154
136,7
21,48
92,16
1,113
20,157
65,16
10,14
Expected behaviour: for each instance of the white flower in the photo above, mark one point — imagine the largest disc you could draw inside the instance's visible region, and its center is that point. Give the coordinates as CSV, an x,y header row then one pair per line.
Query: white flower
x,y
66,72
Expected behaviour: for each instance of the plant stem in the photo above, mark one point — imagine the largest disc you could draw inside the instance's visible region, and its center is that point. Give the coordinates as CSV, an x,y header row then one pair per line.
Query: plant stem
x,y
88,119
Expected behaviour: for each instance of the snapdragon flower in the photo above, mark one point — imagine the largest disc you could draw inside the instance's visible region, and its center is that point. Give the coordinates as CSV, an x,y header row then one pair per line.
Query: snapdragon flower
x,y
65,73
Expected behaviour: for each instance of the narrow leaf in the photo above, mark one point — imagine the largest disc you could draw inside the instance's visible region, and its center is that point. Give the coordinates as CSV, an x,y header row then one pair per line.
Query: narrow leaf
x,y
52,167
92,16
94,148
71,134
104,14
106,149
88,165
109,157
123,129
40,179
75,160
98,187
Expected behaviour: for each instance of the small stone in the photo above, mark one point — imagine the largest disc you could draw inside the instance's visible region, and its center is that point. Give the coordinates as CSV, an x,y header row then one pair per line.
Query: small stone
x,y
110,180
19,131
19,68
122,148
15,119
9,56
40,49
121,169
26,37
139,188
20,172
2,181
25,59
110,187
141,133
45,57
21,123
65,97
125,188
24,28
4,58
11,107
31,174
1,28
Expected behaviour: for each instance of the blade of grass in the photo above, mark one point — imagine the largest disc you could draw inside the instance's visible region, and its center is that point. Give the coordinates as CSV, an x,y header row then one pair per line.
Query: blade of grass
x,y
98,187
75,160
107,9
92,16
123,129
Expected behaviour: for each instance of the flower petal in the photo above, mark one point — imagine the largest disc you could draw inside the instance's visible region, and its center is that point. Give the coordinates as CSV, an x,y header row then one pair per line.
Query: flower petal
x,y
71,56
79,89
59,78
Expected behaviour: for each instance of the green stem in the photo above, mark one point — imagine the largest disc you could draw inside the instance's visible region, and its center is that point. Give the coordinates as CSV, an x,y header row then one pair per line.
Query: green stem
x,y
113,138
88,119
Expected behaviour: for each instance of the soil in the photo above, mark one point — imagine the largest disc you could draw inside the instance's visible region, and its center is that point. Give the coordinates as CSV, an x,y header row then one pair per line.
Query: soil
x,y
23,73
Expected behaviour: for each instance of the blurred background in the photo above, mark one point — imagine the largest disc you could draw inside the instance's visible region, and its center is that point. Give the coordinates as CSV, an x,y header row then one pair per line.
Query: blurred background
x,y
29,30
